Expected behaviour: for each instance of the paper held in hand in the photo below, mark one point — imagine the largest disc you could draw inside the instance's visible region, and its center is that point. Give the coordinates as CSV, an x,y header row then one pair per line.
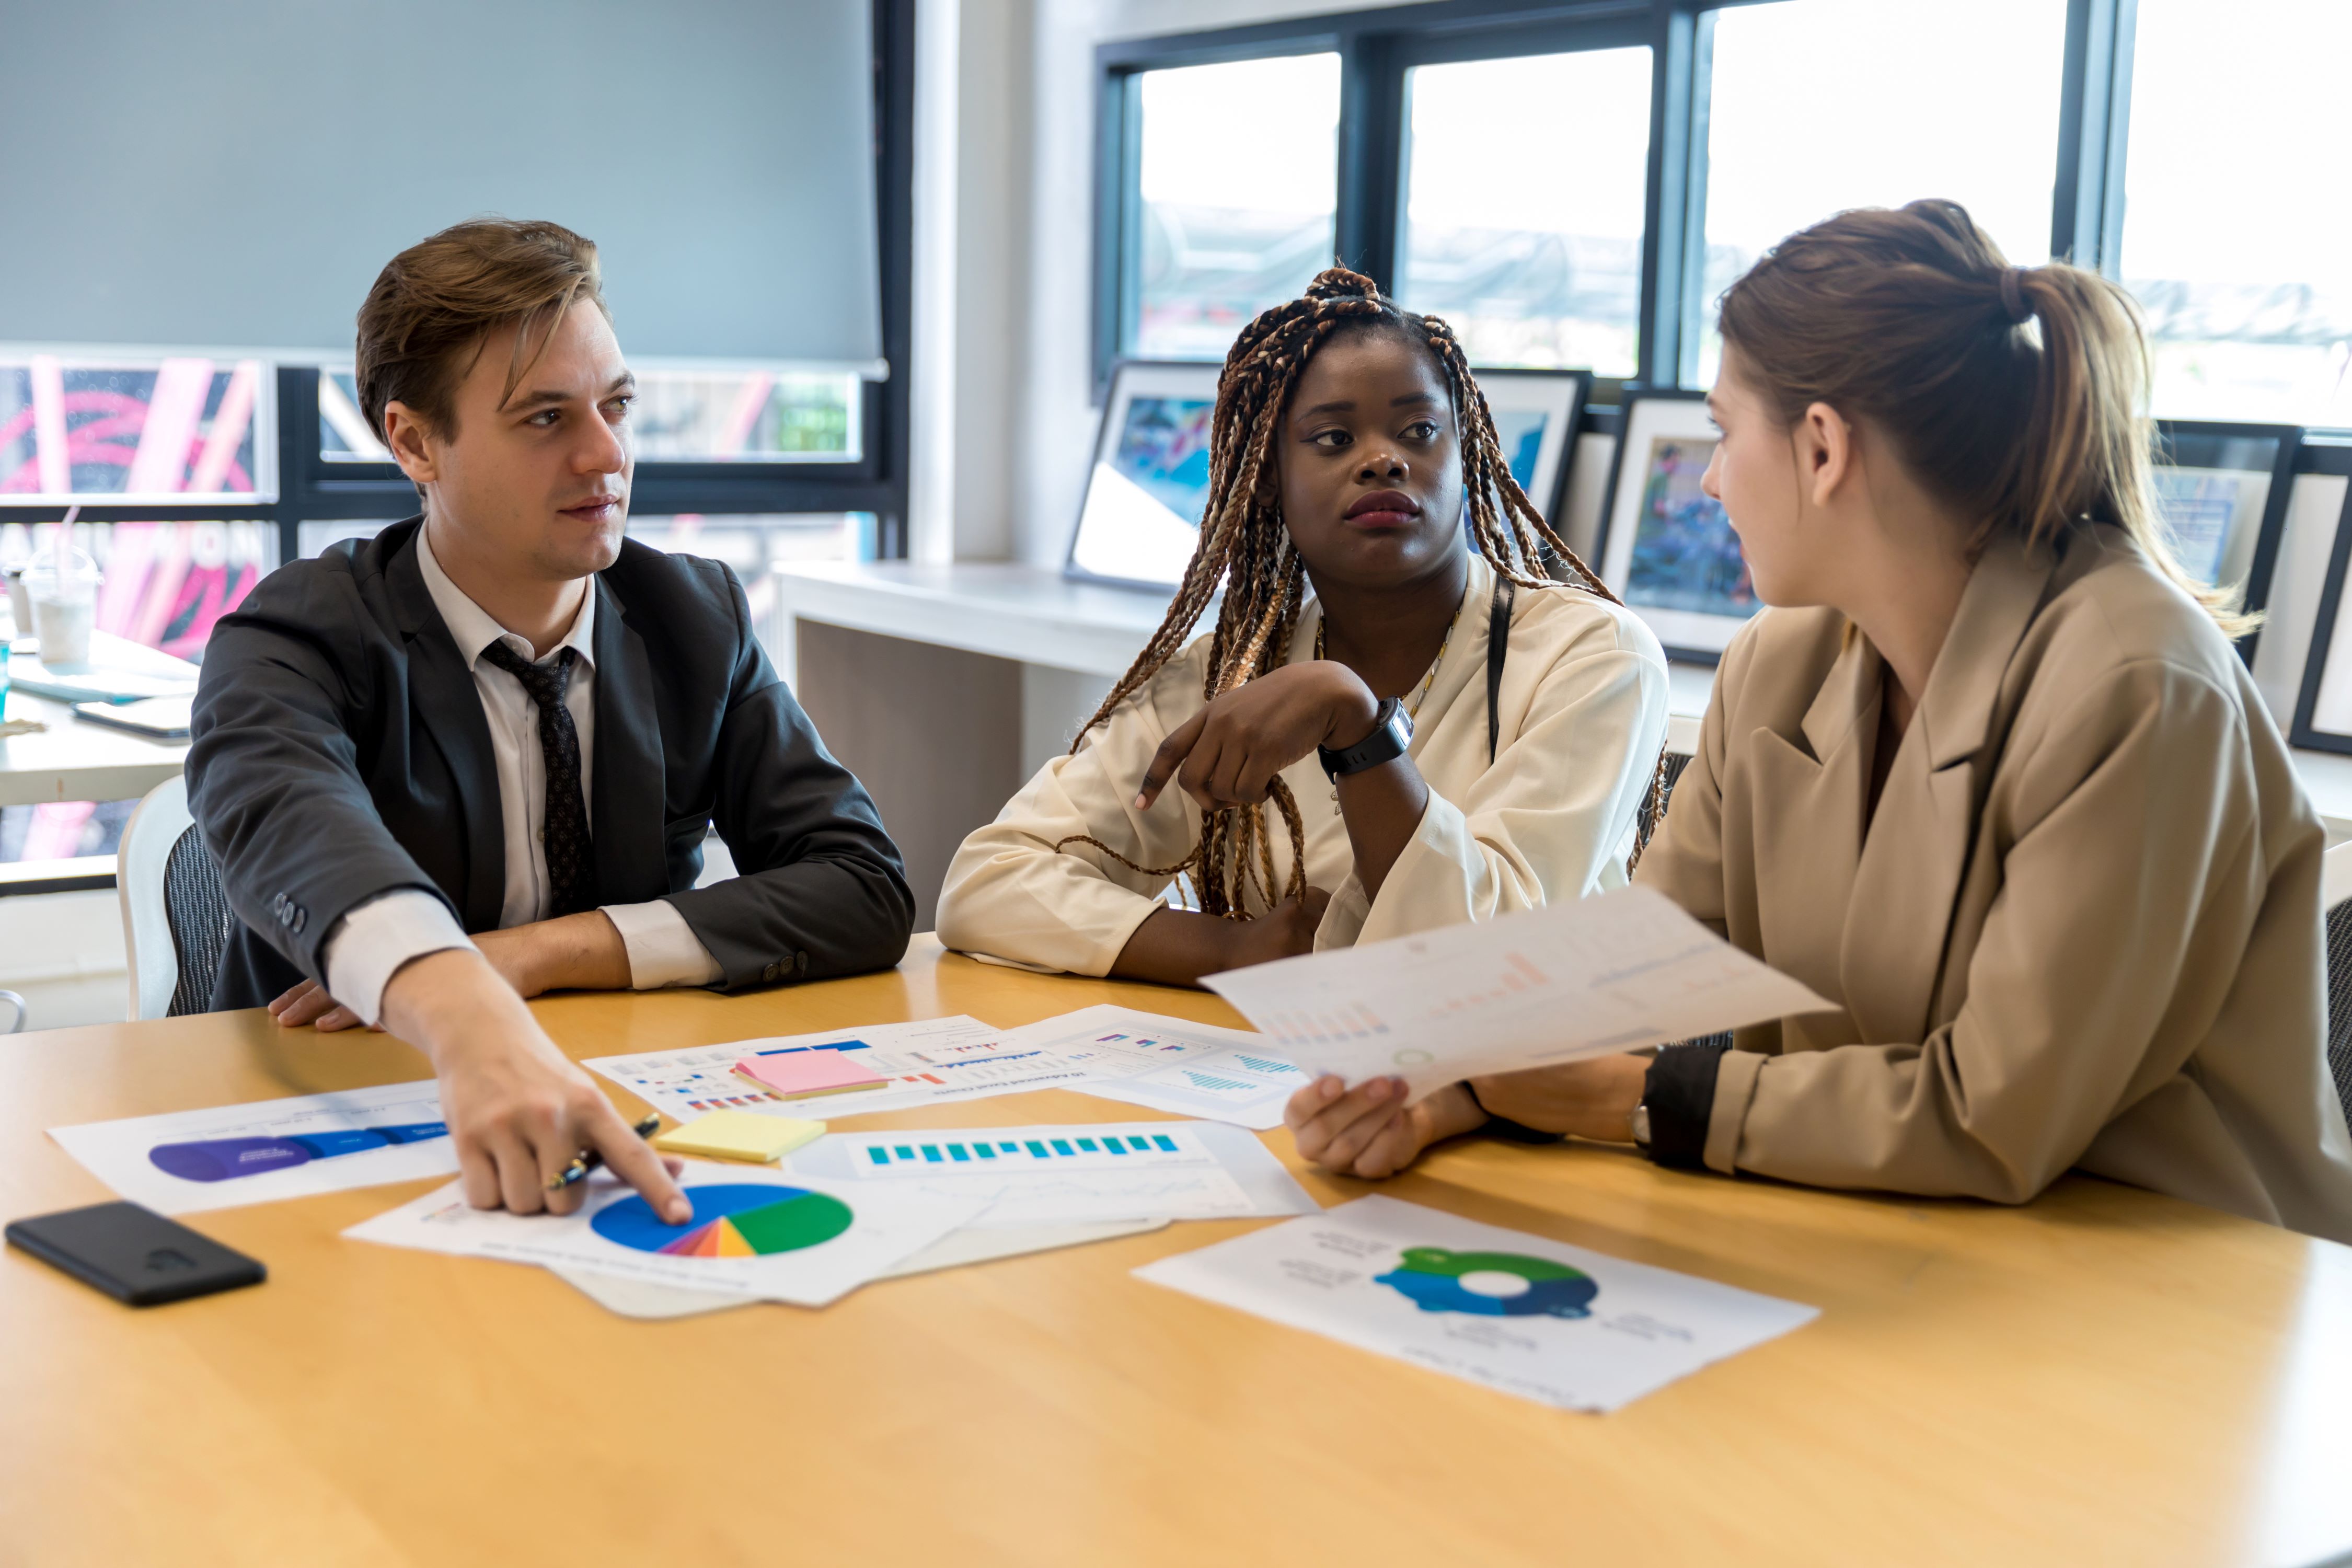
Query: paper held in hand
x,y
1613,972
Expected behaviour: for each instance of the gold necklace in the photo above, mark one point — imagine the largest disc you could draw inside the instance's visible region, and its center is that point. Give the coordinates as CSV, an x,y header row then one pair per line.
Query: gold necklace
x,y
1413,713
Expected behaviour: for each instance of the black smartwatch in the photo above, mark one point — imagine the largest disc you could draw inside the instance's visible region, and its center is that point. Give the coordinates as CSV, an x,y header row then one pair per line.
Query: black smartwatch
x,y
1391,733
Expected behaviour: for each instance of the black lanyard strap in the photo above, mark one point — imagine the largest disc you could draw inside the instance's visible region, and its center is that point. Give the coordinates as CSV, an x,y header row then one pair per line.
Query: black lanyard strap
x,y
1498,649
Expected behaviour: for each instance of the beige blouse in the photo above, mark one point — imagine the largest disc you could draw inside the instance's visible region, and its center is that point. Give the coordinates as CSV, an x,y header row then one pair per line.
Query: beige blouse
x,y
1582,717
2082,929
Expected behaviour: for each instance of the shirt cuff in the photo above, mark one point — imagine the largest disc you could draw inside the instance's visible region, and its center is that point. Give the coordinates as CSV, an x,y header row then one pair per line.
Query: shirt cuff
x,y
663,949
371,944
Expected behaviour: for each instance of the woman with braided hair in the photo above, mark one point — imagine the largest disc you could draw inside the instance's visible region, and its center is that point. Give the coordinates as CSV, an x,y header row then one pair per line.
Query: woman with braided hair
x,y
1387,730
1989,777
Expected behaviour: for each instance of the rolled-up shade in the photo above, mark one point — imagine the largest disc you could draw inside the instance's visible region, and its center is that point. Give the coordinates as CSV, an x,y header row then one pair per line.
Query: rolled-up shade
x,y
236,174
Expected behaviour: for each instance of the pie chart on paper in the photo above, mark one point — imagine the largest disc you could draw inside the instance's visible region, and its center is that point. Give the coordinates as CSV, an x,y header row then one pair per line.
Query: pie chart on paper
x,y
730,1221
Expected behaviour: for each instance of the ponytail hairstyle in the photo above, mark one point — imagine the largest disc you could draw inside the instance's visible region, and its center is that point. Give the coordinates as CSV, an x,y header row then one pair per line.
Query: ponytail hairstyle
x,y
1245,549
2015,393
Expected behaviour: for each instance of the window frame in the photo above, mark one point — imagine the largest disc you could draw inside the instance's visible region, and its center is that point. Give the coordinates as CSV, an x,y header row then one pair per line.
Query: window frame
x,y
310,488
1376,47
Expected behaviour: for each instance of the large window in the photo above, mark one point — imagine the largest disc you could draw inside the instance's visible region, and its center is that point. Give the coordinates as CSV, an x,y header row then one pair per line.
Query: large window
x,y
1573,183
1821,105
1236,190
2234,239
1524,205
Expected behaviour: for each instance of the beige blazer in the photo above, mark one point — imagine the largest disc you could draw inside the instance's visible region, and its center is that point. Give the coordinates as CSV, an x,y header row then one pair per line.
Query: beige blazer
x,y
2083,930
1583,715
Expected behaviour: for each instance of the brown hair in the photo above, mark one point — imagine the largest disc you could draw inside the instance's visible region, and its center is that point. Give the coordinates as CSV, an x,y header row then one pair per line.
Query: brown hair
x,y
448,294
1911,320
1246,549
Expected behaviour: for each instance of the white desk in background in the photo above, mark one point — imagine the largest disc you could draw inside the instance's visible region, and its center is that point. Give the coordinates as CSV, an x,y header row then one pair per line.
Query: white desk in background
x,y
72,760
943,740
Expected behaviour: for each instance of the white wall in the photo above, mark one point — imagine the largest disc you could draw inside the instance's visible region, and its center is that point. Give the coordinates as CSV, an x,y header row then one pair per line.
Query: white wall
x,y
1004,139
63,954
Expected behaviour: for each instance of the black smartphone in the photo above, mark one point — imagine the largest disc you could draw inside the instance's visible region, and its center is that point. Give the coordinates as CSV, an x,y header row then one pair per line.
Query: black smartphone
x,y
134,1254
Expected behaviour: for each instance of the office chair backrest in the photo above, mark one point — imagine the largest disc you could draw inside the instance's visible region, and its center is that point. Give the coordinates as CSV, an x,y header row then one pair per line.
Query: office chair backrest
x,y
2336,898
175,914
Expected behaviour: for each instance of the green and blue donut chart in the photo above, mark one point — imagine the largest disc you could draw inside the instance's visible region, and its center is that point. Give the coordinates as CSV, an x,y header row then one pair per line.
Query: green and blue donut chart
x,y
1490,1284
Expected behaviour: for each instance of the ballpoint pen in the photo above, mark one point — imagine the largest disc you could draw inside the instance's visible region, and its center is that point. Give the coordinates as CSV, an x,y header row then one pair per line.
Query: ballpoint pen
x,y
588,1160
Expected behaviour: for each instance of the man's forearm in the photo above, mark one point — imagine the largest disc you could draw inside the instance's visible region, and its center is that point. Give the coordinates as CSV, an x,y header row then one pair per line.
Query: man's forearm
x,y
572,952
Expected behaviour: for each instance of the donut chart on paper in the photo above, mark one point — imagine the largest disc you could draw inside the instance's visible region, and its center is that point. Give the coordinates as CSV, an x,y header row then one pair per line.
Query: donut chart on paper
x,y
730,1220
1490,1284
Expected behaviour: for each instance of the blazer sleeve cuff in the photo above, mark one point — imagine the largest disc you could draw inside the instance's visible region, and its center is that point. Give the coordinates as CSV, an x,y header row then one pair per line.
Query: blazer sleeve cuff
x,y
1735,1092
368,946
663,949
1679,1091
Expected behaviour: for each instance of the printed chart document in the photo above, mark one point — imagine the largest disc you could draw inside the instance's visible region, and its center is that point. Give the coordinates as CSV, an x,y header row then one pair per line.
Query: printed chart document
x,y
1613,973
754,1233
926,1063
190,1160
638,1298
1538,1319
1142,1059
1170,1064
1069,1175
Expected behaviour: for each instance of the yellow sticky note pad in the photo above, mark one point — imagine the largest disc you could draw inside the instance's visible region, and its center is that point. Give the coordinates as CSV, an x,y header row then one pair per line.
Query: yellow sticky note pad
x,y
740,1136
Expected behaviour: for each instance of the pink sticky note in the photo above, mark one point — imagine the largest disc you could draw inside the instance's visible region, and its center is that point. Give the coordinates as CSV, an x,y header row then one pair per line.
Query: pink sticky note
x,y
793,1074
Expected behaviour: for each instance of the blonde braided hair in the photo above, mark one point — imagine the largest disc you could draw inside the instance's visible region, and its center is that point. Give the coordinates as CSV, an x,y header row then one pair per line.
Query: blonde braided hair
x,y
1246,547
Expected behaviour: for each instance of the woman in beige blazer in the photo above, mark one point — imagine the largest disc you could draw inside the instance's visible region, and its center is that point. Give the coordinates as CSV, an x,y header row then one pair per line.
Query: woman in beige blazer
x,y
1386,732
1994,780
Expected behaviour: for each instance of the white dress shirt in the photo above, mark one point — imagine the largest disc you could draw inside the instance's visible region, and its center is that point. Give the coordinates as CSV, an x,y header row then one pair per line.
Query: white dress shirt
x,y
379,936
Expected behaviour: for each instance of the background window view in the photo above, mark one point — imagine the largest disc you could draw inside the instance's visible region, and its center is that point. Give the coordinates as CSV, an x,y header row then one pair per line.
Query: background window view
x,y
1239,185
753,544
1830,104
2238,250
690,415
104,431
1524,203
164,585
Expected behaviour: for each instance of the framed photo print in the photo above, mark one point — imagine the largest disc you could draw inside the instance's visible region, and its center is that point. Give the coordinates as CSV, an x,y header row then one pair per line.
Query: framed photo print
x,y
1667,548
2323,710
1149,482
1535,416
2221,493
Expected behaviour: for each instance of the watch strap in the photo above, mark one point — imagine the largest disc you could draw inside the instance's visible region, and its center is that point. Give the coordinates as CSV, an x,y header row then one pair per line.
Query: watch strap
x,y
1391,734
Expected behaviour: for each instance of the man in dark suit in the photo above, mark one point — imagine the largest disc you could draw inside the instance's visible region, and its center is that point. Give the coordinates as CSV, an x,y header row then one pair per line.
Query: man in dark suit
x,y
474,758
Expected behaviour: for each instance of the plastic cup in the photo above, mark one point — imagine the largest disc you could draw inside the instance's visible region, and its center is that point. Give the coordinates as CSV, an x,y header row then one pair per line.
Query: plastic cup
x,y
65,608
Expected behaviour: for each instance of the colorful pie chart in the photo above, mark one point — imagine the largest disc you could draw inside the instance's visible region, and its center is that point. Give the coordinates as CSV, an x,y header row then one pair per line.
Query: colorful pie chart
x,y
730,1220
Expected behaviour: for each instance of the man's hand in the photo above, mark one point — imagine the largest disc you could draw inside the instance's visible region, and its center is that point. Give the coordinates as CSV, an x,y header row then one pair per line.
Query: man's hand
x,y
518,1111
1369,1130
1228,752
309,1004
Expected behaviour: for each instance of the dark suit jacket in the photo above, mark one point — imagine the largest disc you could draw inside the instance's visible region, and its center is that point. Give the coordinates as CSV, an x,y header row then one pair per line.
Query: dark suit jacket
x,y
340,751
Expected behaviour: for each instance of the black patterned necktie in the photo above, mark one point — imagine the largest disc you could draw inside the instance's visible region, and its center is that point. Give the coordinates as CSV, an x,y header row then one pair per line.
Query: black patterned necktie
x,y
570,859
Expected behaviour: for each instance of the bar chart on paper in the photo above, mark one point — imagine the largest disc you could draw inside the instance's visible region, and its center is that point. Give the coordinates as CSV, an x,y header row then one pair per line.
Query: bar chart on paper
x,y
1071,1174
1170,1064
920,1064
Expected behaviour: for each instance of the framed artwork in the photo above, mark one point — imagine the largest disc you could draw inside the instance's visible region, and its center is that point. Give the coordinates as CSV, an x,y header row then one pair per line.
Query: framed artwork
x,y
2323,710
1536,413
1667,548
1149,482
2222,492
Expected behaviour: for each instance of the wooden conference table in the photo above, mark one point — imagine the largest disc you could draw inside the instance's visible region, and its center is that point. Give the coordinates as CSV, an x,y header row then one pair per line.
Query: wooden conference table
x,y
2103,1376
